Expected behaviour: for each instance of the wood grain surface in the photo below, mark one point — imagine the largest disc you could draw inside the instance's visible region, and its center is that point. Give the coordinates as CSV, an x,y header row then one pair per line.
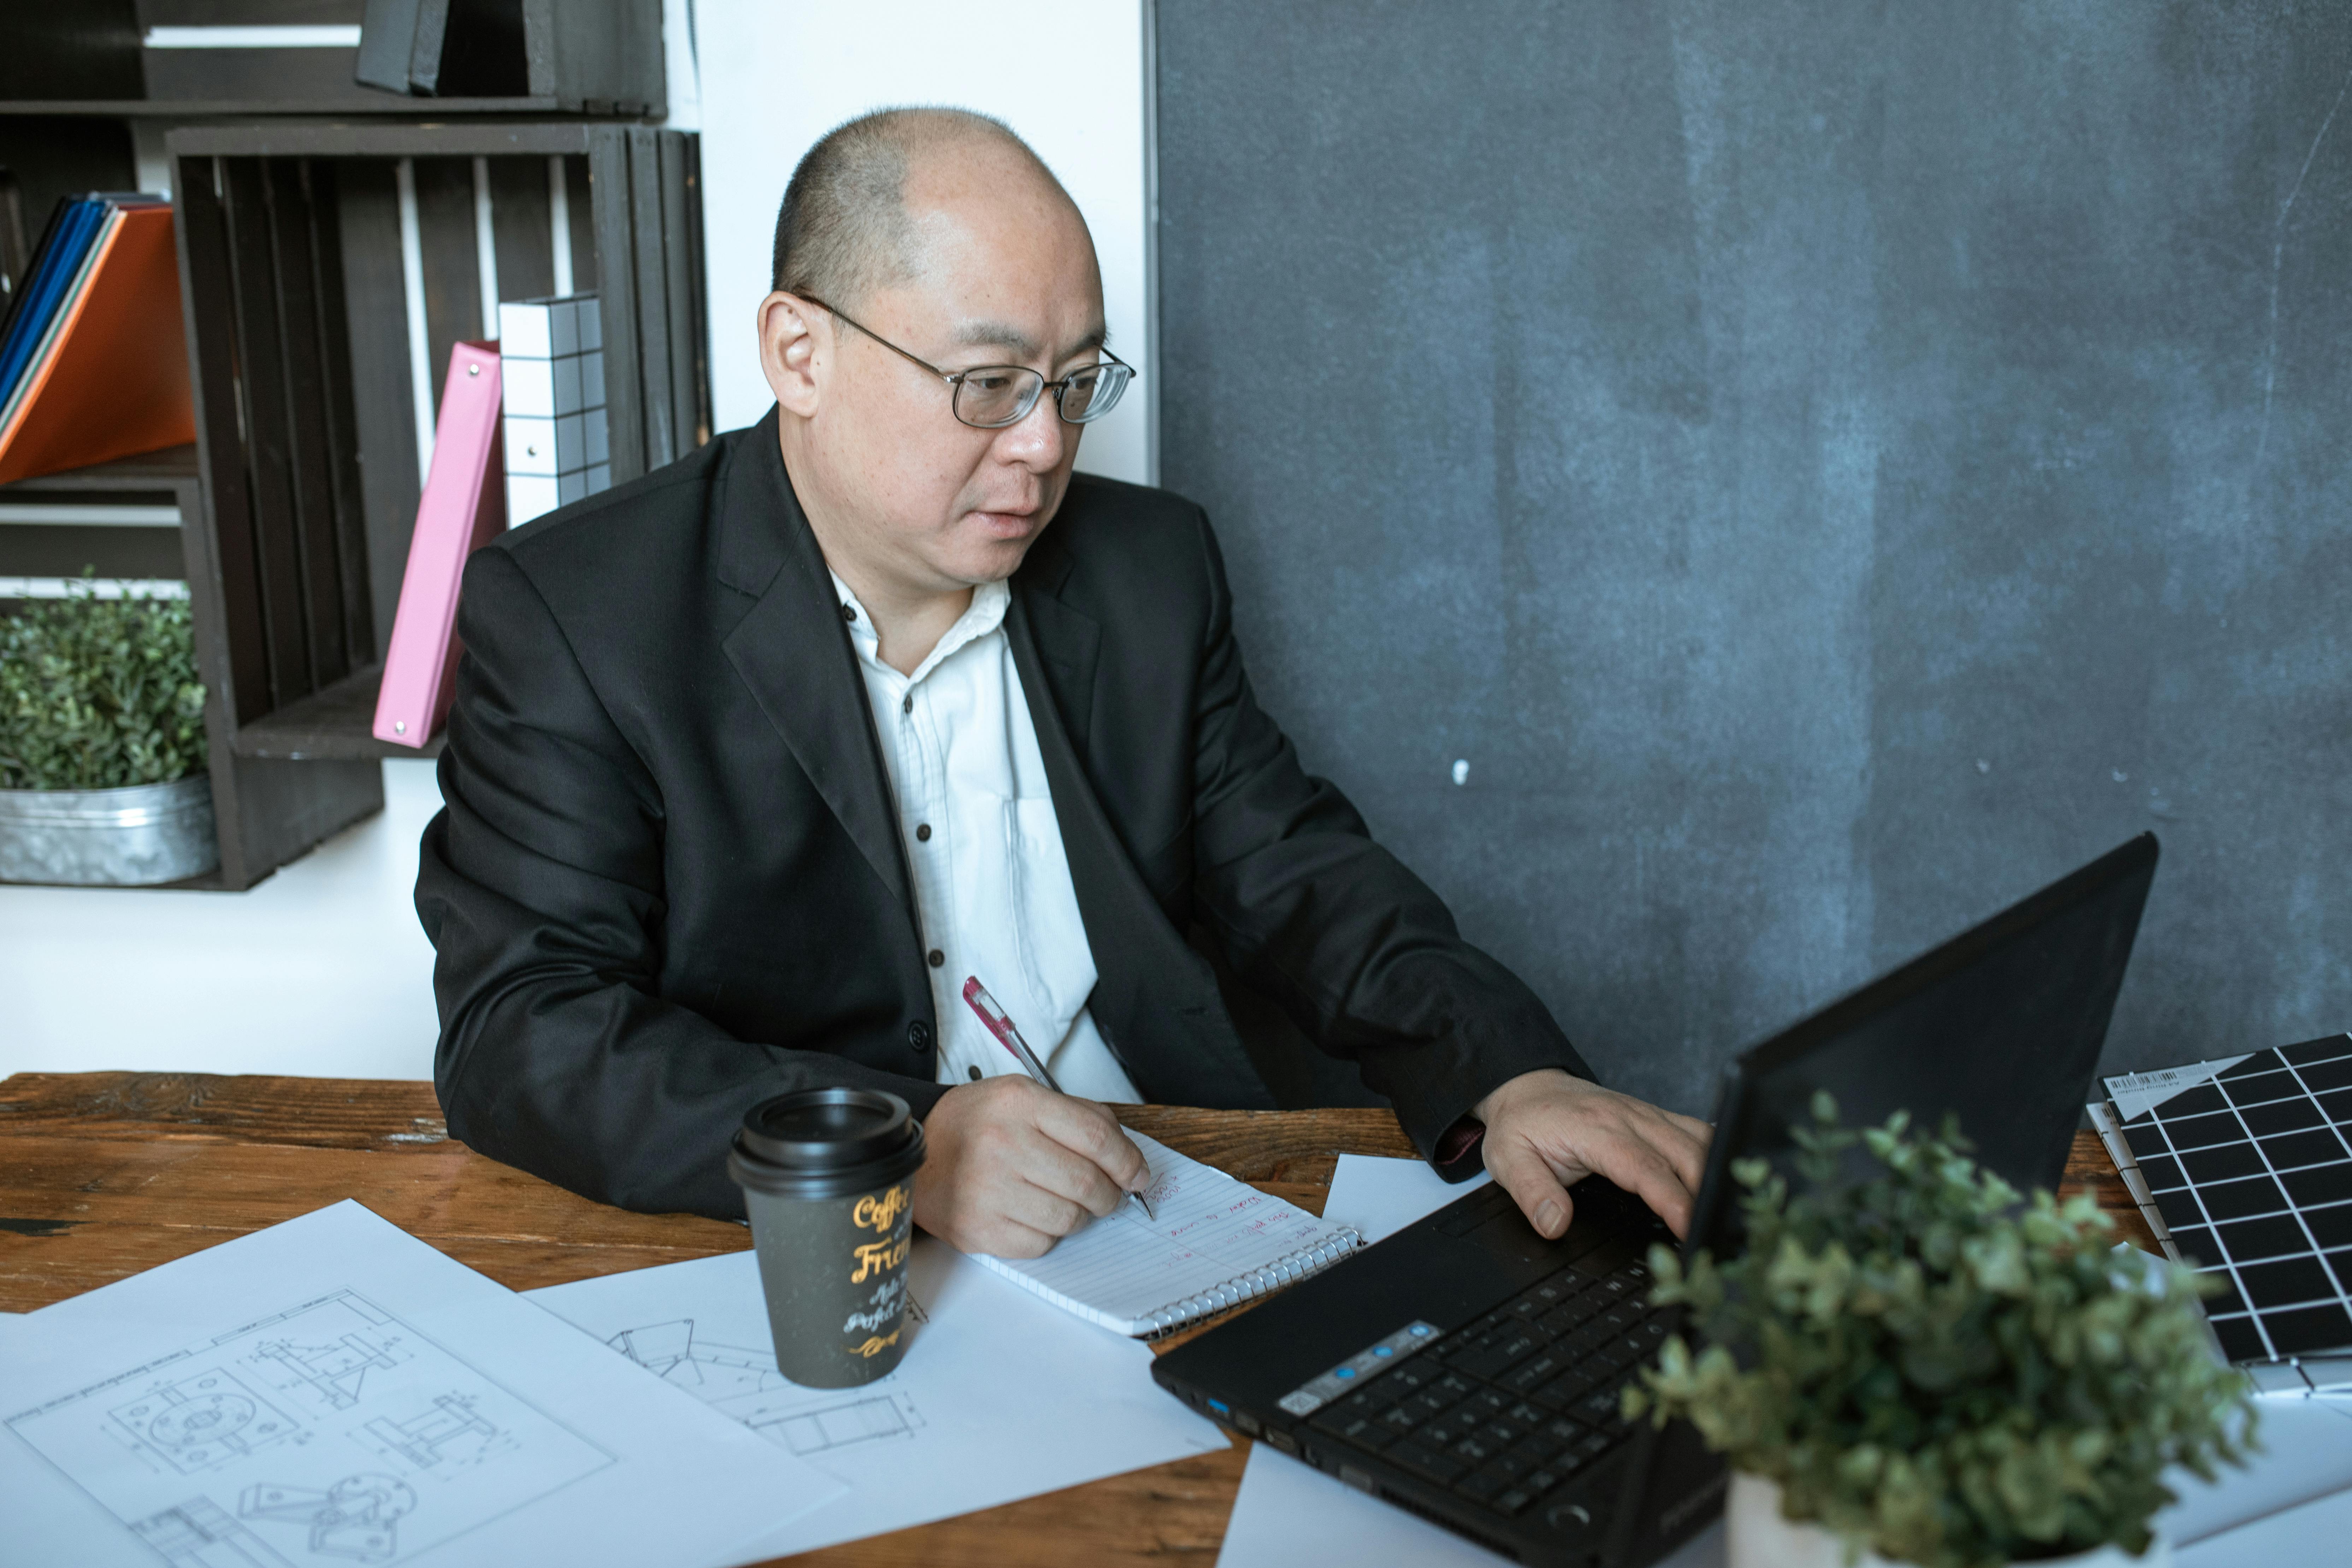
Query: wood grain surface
x,y
104,1175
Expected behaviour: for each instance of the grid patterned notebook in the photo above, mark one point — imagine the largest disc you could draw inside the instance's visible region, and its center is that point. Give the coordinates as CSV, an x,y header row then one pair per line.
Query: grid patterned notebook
x,y
2243,1168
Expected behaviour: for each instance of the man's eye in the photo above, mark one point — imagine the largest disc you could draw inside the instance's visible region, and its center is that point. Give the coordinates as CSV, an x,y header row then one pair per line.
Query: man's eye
x,y
988,380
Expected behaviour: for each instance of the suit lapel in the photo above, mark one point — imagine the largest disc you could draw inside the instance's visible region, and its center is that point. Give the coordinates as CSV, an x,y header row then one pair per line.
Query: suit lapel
x,y
1154,998
794,654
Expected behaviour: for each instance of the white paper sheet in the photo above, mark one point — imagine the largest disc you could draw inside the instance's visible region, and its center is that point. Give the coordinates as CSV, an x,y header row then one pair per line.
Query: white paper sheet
x,y
333,1389
1001,1396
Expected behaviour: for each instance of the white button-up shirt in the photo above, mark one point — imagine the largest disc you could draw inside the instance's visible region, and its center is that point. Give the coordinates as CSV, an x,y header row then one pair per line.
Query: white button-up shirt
x,y
991,879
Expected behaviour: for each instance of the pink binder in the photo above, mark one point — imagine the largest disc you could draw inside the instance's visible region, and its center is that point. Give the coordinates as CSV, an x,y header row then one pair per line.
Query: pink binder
x,y
464,505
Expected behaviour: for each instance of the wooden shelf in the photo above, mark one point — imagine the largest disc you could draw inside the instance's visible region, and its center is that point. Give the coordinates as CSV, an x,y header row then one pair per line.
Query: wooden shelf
x,y
160,470
332,725
246,107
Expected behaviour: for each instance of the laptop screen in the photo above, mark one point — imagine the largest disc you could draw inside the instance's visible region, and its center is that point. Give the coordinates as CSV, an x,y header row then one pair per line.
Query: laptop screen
x,y
2001,1026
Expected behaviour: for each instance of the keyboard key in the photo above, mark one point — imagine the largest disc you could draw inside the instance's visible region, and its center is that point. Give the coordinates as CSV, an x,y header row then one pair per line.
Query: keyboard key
x,y
1432,1464
1526,1414
1536,1371
1445,1431
1474,1450
1451,1387
1600,1409
1565,1392
1514,1500
1492,1361
1396,1420
1511,1462
1540,1481
1488,1403
1479,1486
1422,1406
1411,1375
1363,1431
1502,1434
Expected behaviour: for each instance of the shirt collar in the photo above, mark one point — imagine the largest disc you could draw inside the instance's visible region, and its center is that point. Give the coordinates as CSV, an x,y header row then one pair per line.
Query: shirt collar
x,y
983,616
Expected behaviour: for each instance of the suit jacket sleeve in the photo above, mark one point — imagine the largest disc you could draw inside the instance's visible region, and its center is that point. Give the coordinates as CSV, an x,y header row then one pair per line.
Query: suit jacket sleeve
x,y
1310,912
541,885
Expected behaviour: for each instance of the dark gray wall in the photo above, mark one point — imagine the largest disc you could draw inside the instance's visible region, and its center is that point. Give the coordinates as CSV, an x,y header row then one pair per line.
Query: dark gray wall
x,y
1829,468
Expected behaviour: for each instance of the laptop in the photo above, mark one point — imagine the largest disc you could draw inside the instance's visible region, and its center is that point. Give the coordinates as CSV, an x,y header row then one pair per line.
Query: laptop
x,y
1468,1371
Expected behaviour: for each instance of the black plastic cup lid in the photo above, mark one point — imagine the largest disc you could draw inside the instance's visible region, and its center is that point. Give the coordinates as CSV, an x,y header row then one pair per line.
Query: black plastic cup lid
x,y
824,1130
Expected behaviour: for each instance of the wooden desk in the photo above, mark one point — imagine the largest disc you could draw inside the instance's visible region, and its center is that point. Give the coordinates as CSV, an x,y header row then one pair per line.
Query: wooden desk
x,y
104,1175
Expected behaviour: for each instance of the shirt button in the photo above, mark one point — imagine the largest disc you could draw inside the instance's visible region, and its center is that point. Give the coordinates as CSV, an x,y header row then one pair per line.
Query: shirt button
x,y
849,613
918,1037
937,958
923,831
907,704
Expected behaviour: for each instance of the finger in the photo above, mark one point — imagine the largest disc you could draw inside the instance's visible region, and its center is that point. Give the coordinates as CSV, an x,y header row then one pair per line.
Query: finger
x,y
1684,1149
1001,1237
1641,1168
1093,1132
1529,1178
1064,1172
1040,1208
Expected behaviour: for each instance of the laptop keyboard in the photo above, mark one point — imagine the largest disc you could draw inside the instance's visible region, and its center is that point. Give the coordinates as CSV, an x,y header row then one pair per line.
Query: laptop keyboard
x,y
1519,1404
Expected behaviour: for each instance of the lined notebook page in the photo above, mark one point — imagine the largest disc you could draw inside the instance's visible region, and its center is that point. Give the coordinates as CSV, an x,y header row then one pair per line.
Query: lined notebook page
x,y
1216,1242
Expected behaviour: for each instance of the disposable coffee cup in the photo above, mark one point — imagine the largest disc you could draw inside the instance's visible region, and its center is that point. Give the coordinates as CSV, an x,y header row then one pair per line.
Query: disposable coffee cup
x,y
827,1175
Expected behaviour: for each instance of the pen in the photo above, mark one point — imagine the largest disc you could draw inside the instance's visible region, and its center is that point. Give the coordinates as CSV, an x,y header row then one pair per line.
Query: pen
x,y
1008,1035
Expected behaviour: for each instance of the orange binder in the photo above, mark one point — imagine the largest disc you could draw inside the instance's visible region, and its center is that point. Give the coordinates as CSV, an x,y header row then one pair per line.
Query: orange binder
x,y
114,380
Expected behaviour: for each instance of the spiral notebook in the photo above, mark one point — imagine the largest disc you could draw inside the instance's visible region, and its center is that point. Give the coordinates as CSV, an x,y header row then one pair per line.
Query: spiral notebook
x,y
1216,1243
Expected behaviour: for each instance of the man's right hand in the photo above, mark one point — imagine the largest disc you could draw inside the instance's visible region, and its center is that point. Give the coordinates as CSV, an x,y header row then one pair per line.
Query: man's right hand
x,y
1011,1167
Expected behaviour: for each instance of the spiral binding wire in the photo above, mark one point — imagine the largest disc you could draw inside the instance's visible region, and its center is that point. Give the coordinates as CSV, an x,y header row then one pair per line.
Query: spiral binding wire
x,y
1257,1282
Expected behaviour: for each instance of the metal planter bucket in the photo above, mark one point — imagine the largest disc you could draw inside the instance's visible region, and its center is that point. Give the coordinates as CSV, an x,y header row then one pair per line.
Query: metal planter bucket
x,y
109,838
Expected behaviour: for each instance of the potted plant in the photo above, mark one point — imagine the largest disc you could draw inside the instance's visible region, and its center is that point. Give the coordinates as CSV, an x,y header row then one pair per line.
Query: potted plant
x,y
102,742
1910,1368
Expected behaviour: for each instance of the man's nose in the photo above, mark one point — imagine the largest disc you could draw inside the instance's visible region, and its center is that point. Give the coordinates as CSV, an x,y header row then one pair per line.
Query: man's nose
x,y
1036,439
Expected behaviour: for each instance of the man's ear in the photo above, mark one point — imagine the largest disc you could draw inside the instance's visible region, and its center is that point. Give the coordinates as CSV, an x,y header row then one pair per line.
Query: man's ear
x,y
788,340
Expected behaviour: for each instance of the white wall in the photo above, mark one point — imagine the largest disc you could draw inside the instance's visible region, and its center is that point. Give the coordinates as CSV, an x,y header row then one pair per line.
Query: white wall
x,y
1067,74
322,969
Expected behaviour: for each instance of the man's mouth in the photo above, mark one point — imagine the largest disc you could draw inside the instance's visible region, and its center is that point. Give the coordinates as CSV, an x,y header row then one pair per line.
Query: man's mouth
x,y
1006,523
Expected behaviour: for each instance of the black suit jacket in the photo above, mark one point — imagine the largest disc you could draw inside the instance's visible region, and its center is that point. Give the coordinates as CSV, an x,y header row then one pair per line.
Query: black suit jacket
x,y
668,882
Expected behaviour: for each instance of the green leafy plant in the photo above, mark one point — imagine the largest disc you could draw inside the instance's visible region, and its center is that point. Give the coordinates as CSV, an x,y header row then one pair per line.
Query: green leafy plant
x,y
99,693
1936,1375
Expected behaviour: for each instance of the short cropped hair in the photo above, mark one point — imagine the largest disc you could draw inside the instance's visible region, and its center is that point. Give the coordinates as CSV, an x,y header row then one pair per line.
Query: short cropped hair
x,y
843,230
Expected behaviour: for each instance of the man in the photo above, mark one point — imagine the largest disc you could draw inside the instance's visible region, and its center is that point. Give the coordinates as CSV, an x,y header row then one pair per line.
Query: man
x,y
757,760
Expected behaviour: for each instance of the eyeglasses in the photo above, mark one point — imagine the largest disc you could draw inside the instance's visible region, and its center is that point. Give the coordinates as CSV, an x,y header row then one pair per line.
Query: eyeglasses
x,y
991,396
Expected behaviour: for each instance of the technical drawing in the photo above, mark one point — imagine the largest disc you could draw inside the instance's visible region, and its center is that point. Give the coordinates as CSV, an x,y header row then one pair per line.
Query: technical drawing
x,y
450,1429
198,1533
744,1384
807,1432
357,1518
204,1421
335,1370
279,1414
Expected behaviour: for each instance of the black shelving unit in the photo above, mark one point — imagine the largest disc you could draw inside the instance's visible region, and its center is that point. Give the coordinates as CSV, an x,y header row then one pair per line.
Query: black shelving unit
x,y
297,499
292,280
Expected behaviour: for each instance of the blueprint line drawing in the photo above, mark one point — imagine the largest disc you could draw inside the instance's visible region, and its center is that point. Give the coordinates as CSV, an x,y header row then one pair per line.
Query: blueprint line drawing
x,y
744,1383
334,1370
345,1435
358,1517
204,1421
810,1432
198,1533
450,1427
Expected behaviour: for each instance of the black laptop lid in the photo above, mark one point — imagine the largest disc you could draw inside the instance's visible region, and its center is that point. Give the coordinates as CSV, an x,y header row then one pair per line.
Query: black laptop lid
x,y
2003,1026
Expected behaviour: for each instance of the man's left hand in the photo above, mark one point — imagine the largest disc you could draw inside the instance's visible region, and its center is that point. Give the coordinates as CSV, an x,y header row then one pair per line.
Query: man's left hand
x,y
1546,1129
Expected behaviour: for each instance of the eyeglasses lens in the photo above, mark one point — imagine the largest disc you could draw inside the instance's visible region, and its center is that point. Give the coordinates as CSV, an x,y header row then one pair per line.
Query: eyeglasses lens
x,y
997,394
